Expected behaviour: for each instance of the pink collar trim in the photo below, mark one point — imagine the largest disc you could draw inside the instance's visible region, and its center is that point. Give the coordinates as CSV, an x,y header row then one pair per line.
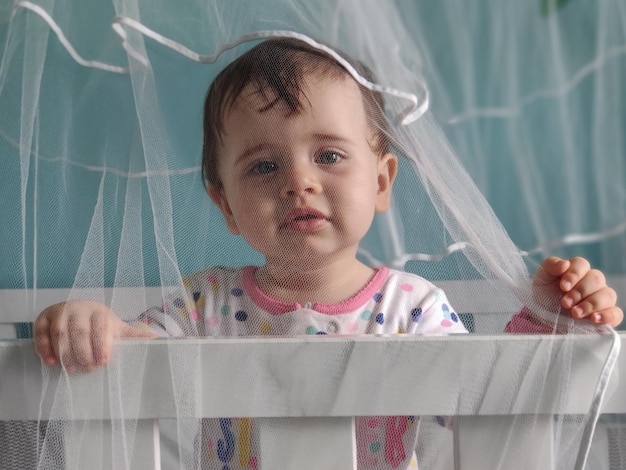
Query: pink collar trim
x,y
278,308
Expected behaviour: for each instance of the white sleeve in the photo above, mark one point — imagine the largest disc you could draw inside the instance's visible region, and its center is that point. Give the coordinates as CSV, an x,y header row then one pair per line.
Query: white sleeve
x,y
435,316
181,313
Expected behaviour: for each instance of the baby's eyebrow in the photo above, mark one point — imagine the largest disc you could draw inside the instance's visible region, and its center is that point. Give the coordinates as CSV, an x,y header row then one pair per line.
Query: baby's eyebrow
x,y
250,151
332,137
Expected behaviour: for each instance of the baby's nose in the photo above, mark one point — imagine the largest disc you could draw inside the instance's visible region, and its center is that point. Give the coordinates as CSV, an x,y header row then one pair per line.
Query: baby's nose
x,y
300,179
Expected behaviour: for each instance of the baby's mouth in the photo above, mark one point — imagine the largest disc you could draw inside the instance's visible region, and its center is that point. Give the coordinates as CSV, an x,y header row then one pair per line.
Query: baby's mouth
x,y
305,219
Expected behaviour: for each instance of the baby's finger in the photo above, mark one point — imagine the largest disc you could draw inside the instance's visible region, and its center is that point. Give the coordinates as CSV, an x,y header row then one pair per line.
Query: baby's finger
x,y
80,353
611,316
596,302
593,281
552,267
101,338
43,346
58,334
578,269
129,331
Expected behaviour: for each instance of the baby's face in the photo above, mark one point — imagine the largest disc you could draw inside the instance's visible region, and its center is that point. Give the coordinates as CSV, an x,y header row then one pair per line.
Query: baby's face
x,y
302,187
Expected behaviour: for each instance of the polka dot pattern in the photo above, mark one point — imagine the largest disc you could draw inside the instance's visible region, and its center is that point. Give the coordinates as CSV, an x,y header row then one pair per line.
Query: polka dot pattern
x,y
193,314
213,283
223,302
416,314
449,317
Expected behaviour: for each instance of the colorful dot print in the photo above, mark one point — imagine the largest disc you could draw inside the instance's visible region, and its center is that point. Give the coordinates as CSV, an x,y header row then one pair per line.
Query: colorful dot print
x,y
198,299
213,282
374,422
253,463
449,317
416,314
395,305
211,449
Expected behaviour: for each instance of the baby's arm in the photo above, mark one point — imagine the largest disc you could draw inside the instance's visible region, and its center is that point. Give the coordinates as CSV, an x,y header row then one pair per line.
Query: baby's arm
x,y
80,334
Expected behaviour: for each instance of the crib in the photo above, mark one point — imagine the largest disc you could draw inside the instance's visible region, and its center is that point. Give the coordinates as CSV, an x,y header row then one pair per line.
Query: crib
x,y
293,417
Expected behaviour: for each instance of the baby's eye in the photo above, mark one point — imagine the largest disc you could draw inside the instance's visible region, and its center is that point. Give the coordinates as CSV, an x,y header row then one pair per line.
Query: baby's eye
x,y
263,168
328,158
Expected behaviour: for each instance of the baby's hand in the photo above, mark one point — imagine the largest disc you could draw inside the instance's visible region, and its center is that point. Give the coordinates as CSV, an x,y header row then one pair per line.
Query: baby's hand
x,y
80,334
584,290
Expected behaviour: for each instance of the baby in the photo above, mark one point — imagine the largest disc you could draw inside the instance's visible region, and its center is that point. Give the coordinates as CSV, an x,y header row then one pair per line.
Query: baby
x,y
296,156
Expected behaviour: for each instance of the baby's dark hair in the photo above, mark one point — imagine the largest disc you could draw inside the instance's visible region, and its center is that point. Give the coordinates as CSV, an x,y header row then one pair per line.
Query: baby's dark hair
x,y
278,67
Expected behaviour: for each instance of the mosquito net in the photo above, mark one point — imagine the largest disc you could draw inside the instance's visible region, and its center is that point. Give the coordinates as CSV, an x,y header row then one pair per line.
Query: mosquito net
x,y
110,141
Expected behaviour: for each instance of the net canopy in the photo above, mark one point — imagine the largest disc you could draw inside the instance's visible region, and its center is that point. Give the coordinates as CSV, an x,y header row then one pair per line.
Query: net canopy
x,y
507,125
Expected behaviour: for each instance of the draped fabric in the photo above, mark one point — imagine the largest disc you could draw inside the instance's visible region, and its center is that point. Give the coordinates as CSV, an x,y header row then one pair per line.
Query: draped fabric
x,y
507,119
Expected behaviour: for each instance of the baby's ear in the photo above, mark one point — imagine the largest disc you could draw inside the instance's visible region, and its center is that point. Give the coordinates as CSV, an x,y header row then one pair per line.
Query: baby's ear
x,y
219,198
387,170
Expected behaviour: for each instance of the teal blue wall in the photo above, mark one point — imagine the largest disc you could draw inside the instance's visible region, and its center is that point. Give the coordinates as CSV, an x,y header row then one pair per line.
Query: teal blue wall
x,y
57,192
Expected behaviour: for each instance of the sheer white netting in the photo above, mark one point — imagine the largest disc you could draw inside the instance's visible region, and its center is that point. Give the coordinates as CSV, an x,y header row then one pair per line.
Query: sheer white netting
x,y
101,111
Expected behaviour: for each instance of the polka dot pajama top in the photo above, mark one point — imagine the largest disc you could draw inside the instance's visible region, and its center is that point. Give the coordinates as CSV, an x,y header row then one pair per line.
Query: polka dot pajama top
x,y
227,302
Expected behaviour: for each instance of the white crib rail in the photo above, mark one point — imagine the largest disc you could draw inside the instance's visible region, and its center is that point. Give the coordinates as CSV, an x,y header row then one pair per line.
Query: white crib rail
x,y
19,305
328,416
